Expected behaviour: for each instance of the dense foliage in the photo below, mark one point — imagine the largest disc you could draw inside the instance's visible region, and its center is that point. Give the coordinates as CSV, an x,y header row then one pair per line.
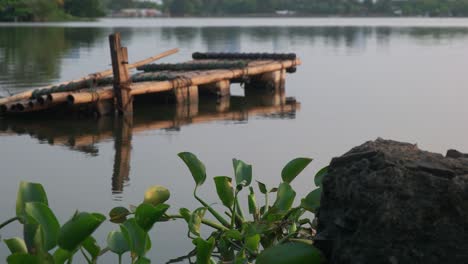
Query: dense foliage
x,y
319,7
42,10
48,10
274,233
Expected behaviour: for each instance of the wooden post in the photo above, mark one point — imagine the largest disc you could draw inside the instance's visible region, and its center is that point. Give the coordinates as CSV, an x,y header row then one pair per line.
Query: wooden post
x,y
119,56
186,95
220,89
274,81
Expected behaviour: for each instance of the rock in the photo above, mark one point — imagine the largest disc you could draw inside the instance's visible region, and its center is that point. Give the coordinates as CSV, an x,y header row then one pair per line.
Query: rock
x,y
455,154
389,202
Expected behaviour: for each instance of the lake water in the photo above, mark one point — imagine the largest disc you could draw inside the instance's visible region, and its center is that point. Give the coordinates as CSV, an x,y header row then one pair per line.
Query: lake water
x,y
402,79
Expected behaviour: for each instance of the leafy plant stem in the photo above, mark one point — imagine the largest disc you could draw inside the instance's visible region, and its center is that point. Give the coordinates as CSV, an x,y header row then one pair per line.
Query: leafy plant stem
x,y
234,214
286,238
211,210
85,256
204,221
240,213
266,205
9,221
120,258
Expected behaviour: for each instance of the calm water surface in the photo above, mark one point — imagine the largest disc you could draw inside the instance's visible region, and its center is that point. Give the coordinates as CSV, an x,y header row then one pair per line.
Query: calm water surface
x,y
403,79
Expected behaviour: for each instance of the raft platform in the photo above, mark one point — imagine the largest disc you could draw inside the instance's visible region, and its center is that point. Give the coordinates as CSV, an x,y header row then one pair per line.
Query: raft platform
x,y
115,91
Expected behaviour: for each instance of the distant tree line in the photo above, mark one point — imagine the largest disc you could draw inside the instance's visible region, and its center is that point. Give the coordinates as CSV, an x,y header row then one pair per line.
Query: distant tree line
x,y
45,10
318,7
50,10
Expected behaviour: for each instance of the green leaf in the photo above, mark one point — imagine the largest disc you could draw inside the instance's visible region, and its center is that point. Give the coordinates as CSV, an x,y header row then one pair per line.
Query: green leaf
x,y
312,201
143,260
204,250
23,258
195,166
41,214
61,256
196,220
243,172
225,190
297,253
293,168
285,198
186,214
262,187
137,238
78,229
252,243
117,243
273,190
147,215
252,200
318,179
29,192
92,247
118,215
156,195
16,245
33,237
233,234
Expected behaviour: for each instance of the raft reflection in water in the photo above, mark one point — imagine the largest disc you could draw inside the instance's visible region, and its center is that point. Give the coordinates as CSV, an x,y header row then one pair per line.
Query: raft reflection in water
x,y
83,135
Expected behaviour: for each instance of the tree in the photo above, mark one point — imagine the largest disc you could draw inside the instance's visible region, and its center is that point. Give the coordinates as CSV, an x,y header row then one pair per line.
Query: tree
x,y
84,8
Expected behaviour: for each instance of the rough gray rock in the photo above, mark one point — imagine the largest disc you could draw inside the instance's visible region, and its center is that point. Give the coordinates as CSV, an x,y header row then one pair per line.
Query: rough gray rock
x,y
389,202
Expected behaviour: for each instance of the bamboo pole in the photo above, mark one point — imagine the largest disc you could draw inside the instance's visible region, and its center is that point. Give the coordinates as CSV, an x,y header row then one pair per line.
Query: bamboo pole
x,y
206,77
57,97
93,76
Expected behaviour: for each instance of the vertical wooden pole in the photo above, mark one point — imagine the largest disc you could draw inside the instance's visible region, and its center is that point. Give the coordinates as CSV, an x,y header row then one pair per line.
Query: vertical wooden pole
x,y
119,56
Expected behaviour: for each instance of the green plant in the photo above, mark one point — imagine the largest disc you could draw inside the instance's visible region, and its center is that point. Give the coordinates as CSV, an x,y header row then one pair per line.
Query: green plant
x,y
239,238
277,233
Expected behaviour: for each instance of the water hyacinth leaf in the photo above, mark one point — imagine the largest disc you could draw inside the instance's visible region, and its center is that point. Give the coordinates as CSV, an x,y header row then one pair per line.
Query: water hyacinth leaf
x,y
147,215
118,215
204,250
233,234
262,187
293,168
196,167
117,243
142,260
16,245
92,247
297,253
23,258
78,229
137,238
156,195
312,201
225,190
196,220
45,218
61,256
29,192
186,214
252,243
33,237
285,198
318,179
243,172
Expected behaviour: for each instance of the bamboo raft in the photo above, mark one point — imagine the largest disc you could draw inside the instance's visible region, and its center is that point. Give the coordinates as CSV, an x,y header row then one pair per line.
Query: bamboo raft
x,y
116,90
